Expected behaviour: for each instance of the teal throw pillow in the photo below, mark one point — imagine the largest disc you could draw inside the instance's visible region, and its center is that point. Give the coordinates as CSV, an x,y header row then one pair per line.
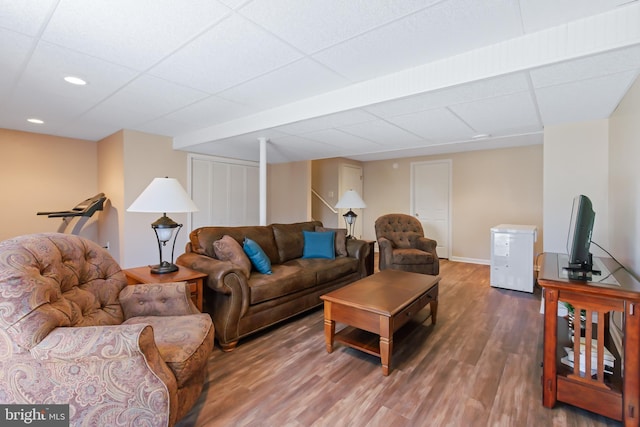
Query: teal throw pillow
x,y
319,244
258,258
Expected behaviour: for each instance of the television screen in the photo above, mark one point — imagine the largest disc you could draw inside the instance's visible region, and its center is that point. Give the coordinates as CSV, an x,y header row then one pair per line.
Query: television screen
x,y
579,238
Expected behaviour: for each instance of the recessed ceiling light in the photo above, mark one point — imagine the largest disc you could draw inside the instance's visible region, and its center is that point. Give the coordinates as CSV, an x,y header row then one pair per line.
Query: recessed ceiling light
x,y
35,121
481,136
75,80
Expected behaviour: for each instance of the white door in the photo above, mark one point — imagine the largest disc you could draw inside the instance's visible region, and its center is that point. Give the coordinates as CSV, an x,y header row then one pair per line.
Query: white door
x,y
225,191
430,201
351,179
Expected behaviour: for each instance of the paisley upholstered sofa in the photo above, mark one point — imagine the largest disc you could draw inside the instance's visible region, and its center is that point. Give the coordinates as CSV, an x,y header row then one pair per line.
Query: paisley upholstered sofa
x,y
72,332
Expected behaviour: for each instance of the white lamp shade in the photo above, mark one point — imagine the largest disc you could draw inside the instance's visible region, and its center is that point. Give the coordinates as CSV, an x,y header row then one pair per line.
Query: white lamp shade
x,y
163,195
351,200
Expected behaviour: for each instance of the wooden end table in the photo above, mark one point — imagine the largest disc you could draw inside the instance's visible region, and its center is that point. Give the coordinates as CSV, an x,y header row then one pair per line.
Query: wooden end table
x,y
380,304
194,279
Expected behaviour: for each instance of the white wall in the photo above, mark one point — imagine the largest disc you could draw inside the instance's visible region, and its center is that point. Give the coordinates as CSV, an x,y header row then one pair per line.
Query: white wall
x,y
575,162
624,181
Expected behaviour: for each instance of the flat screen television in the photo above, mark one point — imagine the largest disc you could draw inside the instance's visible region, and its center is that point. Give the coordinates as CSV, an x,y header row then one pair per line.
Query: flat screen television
x,y
580,264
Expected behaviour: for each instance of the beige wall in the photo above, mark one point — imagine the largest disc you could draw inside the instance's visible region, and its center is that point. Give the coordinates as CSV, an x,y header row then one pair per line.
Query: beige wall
x,y
325,180
488,188
575,162
624,180
111,183
289,192
45,173
146,157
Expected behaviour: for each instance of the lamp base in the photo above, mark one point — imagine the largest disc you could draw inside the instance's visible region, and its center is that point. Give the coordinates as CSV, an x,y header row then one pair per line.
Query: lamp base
x,y
165,267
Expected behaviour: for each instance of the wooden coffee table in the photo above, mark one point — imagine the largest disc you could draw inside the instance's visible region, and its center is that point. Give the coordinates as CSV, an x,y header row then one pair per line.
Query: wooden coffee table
x,y
380,304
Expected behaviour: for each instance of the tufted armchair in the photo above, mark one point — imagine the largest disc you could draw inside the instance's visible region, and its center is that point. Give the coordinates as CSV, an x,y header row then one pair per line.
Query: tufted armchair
x,y
72,332
403,246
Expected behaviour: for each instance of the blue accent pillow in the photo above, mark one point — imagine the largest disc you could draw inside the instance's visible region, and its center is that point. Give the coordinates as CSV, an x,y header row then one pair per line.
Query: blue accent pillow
x,y
258,258
319,244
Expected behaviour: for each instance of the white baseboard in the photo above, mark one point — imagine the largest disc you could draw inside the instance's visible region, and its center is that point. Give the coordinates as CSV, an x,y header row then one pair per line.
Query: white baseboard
x,y
470,260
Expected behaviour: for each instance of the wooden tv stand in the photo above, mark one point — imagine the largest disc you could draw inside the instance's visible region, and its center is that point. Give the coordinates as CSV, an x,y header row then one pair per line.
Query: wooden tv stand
x,y
615,396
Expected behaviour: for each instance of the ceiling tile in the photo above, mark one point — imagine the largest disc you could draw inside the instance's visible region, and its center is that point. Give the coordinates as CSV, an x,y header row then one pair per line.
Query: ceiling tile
x,y
487,88
137,33
203,113
587,68
383,133
493,115
541,14
446,29
434,125
327,122
584,100
25,16
214,62
14,49
286,85
311,25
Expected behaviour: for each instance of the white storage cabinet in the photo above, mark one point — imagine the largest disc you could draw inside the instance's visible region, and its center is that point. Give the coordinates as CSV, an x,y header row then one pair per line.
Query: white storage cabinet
x,y
512,256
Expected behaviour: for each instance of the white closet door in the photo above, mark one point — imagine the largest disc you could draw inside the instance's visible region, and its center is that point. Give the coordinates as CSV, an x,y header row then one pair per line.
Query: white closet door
x,y
225,191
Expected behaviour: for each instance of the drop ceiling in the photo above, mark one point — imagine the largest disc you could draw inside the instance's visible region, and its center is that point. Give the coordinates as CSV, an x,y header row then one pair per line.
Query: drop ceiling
x,y
361,79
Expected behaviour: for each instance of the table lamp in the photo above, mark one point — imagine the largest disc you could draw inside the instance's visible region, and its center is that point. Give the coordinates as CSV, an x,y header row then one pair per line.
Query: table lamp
x,y
164,195
350,200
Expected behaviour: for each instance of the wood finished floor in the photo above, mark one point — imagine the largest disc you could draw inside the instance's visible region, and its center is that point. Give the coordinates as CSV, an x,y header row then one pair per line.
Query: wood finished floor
x,y
478,366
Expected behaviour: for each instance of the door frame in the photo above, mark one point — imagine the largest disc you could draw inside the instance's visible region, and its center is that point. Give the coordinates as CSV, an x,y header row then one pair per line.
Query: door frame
x,y
449,164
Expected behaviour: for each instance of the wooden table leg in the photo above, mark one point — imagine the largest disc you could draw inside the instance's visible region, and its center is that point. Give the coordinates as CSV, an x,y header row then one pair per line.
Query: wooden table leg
x,y
386,343
631,386
329,327
549,368
434,310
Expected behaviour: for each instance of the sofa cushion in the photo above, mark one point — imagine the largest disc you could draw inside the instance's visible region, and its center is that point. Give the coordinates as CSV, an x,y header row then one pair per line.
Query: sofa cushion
x,y
228,249
290,240
258,258
319,244
284,280
201,239
340,240
411,256
327,270
184,342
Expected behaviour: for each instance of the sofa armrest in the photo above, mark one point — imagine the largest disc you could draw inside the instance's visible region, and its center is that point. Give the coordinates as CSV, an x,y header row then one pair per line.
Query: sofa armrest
x,y
426,244
385,248
215,269
158,299
117,365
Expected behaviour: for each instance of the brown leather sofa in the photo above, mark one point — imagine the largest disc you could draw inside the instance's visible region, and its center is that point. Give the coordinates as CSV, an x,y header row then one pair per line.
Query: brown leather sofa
x,y
403,245
241,305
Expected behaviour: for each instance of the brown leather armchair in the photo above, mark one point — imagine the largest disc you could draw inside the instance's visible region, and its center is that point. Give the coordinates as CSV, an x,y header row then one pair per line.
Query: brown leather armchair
x,y
403,246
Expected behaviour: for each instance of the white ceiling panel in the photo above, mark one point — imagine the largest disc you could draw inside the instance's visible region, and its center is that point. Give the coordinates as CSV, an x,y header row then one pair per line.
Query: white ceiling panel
x,y
483,89
417,39
49,65
301,79
201,114
26,16
587,68
312,25
213,62
138,33
493,115
540,14
583,100
435,125
14,52
383,133
368,78
327,122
